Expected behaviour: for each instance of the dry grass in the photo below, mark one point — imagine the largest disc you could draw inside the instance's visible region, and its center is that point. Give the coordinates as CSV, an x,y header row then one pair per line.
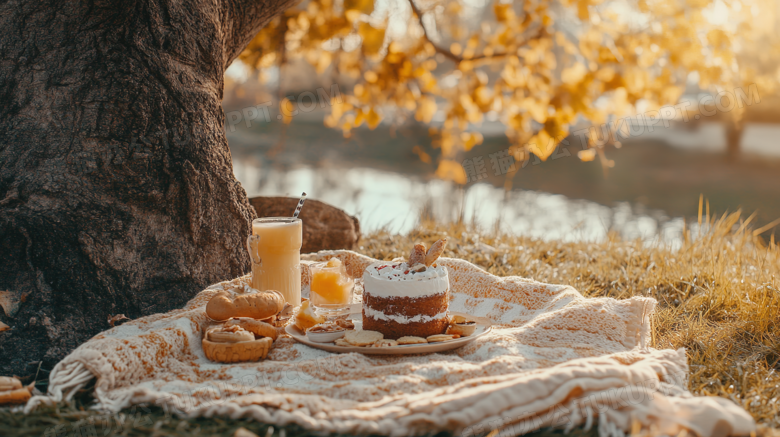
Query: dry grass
x,y
719,294
719,297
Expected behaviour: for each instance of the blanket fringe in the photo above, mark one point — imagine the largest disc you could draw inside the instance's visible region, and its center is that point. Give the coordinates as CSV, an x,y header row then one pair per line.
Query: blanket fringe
x,y
64,383
608,428
646,330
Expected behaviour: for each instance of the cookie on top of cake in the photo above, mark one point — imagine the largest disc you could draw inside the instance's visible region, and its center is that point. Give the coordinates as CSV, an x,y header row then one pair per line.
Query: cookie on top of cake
x,y
409,298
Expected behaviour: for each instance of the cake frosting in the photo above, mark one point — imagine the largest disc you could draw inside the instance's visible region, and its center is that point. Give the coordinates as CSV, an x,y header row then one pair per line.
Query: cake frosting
x,y
383,278
399,302
419,318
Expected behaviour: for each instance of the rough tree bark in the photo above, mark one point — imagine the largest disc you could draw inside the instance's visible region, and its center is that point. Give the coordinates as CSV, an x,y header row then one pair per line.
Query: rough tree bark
x,y
117,193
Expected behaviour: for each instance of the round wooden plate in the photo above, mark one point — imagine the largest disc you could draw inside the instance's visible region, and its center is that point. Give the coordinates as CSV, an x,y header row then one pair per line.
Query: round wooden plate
x,y
483,328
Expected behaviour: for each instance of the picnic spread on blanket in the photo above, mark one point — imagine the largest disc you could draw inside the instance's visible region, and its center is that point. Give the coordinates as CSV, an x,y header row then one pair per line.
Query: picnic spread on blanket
x,y
337,341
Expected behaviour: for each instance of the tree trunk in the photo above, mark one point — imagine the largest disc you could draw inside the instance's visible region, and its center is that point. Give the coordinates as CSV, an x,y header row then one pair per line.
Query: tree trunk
x,y
117,192
734,130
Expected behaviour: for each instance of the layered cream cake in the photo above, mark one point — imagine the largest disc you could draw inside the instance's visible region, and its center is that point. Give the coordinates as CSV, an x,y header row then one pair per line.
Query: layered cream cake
x,y
399,302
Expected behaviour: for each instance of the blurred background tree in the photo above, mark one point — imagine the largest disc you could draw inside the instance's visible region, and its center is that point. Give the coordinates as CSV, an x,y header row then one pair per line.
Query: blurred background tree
x,y
538,67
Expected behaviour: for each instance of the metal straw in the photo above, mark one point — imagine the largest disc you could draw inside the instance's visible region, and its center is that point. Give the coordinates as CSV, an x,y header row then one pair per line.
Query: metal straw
x,y
300,205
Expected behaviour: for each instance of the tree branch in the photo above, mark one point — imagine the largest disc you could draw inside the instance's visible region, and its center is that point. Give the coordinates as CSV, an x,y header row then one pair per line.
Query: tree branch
x,y
447,53
457,58
242,20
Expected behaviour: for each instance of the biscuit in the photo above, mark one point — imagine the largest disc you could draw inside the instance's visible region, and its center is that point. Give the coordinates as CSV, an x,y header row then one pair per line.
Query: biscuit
x,y
231,334
342,342
455,319
325,327
462,330
412,340
258,328
435,251
346,324
418,255
363,338
385,343
440,337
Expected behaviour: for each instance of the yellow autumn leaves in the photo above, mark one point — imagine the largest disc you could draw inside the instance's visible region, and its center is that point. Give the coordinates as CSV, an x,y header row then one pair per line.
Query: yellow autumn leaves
x,y
373,38
426,108
537,67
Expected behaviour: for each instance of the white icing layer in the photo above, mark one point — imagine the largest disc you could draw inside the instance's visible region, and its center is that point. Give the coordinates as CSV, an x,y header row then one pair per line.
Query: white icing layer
x,y
387,279
379,315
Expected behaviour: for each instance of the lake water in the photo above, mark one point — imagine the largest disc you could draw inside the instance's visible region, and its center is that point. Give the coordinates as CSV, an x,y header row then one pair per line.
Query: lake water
x,y
385,199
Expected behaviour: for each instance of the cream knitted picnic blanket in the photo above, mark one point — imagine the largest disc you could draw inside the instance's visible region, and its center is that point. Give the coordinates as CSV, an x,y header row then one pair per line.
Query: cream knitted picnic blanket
x,y
554,358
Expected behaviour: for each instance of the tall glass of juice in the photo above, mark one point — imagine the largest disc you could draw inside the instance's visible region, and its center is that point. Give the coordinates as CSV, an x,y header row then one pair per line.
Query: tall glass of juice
x,y
275,249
